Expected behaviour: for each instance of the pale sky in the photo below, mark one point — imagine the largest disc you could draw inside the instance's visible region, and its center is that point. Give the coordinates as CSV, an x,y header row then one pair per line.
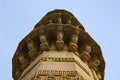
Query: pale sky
x,y
100,18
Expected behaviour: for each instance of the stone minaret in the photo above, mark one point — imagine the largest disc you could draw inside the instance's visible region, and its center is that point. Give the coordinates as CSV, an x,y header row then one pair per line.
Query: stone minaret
x,y
58,48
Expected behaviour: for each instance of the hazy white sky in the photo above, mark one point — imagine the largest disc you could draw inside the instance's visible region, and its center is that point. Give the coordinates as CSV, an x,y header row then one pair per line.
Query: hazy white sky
x,y
101,19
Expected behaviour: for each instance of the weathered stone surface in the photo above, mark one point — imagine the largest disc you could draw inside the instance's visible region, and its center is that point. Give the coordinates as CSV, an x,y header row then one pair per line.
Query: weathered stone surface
x,y
58,48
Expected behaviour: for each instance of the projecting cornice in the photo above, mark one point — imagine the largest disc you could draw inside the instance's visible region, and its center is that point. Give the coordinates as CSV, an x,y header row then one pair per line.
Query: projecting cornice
x,y
61,29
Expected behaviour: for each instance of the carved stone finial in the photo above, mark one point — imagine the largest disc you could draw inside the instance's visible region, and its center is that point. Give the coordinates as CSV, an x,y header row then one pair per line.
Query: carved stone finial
x,y
44,45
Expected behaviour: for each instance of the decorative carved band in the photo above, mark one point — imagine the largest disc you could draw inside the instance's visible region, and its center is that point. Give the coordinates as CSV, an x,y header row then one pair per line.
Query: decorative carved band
x,y
61,59
56,75
58,59
57,72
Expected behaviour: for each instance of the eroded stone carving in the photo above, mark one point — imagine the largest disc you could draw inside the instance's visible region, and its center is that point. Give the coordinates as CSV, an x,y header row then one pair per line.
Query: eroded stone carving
x,y
94,63
74,39
73,44
18,73
32,50
44,44
85,55
23,62
59,41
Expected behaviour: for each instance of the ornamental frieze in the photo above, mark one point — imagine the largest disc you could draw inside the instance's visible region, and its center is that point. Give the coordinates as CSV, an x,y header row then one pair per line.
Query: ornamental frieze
x,y
56,75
